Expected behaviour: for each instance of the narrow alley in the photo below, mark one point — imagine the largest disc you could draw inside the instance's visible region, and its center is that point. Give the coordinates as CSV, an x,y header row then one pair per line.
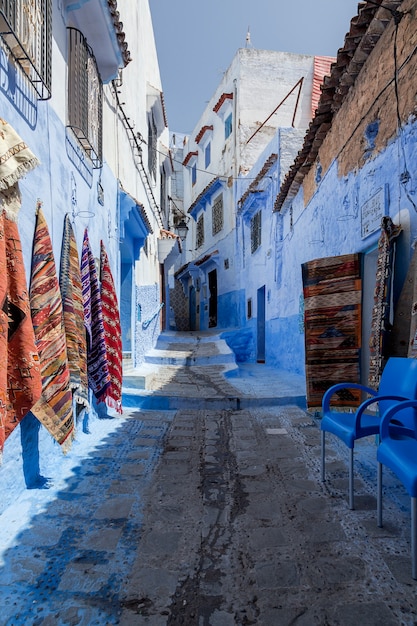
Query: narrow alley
x,y
209,513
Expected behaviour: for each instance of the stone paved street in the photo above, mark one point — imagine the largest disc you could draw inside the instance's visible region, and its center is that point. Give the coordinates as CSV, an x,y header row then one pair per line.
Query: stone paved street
x,y
206,515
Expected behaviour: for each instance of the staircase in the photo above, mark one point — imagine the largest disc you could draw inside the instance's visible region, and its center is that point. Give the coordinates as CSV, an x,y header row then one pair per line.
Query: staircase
x,y
184,369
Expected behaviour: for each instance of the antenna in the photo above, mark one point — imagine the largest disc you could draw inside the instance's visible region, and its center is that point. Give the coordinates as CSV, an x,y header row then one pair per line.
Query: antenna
x,y
248,41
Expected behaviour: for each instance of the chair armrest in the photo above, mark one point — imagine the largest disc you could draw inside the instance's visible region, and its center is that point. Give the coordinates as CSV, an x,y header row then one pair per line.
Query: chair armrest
x,y
334,388
367,403
389,414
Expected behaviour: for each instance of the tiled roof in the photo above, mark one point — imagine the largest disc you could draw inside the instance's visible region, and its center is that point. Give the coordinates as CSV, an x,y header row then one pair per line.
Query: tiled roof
x,y
222,100
252,187
144,216
164,109
118,27
189,156
204,192
205,258
202,132
167,234
365,31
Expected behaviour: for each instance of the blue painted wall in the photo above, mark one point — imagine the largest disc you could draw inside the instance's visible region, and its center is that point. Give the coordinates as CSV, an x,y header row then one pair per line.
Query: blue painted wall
x,y
230,308
148,326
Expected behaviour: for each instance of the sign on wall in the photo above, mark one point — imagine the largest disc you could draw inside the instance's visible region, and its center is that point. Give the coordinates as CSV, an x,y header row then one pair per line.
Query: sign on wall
x,y
373,210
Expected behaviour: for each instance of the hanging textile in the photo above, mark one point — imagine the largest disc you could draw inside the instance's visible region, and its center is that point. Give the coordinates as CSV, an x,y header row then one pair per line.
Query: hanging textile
x,y
403,337
72,302
112,332
16,159
97,367
20,375
381,324
332,320
54,409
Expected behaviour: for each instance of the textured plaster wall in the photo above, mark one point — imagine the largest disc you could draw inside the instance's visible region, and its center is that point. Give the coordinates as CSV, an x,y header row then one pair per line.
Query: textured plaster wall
x,y
373,99
64,184
147,320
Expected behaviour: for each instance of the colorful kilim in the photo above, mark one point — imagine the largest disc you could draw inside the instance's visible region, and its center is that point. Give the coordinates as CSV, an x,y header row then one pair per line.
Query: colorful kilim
x,y
112,332
403,337
20,375
16,159
97,368
54,409
72,301
381,310
332,319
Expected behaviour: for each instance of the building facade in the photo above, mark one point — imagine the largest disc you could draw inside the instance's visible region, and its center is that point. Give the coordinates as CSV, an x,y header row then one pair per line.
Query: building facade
x,y
81,89
261,91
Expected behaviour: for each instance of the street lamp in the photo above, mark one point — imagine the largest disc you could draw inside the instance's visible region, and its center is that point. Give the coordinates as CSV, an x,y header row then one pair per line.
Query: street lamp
x,y
182,230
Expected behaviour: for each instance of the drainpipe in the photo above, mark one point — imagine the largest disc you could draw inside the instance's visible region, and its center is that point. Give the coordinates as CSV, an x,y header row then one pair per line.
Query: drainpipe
x,y
235,120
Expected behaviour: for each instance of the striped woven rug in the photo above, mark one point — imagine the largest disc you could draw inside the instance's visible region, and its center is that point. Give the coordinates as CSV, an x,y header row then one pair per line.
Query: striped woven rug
x,y
54,408
332,319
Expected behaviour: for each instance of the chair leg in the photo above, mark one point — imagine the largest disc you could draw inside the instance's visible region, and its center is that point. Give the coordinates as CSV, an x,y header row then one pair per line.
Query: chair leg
x,y
351,497
379,496
323,452
414,538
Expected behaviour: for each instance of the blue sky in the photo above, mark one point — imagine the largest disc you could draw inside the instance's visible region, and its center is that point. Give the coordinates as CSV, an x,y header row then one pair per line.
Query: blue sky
x,y
197,39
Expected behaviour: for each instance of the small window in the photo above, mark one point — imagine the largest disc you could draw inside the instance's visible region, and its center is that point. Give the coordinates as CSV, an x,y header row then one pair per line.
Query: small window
x,y
207,154
200,231
255,231
194,174
217,215
228,126
249,313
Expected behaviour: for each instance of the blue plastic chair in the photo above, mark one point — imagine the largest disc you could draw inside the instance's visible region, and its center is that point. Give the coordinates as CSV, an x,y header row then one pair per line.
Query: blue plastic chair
x,y
398,451
398,382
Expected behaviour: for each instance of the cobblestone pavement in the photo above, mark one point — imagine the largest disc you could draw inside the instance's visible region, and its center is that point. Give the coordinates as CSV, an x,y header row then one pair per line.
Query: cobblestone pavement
x,y
213,517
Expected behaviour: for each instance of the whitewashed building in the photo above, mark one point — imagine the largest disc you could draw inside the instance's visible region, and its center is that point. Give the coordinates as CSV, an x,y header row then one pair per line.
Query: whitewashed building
x,y
80,85
262,91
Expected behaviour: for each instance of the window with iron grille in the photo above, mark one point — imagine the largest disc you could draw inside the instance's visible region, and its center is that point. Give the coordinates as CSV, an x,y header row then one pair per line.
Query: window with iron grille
x,y
200,231
152,145
255,231
85,96
217,215
26,29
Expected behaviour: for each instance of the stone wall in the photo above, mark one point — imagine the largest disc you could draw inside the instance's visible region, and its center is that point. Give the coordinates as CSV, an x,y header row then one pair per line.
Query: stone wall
x,y
368,119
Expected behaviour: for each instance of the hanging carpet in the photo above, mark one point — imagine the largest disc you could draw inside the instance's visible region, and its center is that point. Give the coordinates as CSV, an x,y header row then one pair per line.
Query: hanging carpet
x,y
332,319
97,367
16,159
112,332
403,337
54,409
381,311
20,374
72,302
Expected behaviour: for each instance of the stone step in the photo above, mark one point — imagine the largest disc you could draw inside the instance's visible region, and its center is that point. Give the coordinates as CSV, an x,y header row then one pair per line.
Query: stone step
x,y
190,349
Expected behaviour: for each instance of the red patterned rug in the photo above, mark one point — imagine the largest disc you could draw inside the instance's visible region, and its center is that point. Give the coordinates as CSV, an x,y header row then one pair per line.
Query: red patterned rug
x,y
332,319
20,374
97,366
112,332
54,409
